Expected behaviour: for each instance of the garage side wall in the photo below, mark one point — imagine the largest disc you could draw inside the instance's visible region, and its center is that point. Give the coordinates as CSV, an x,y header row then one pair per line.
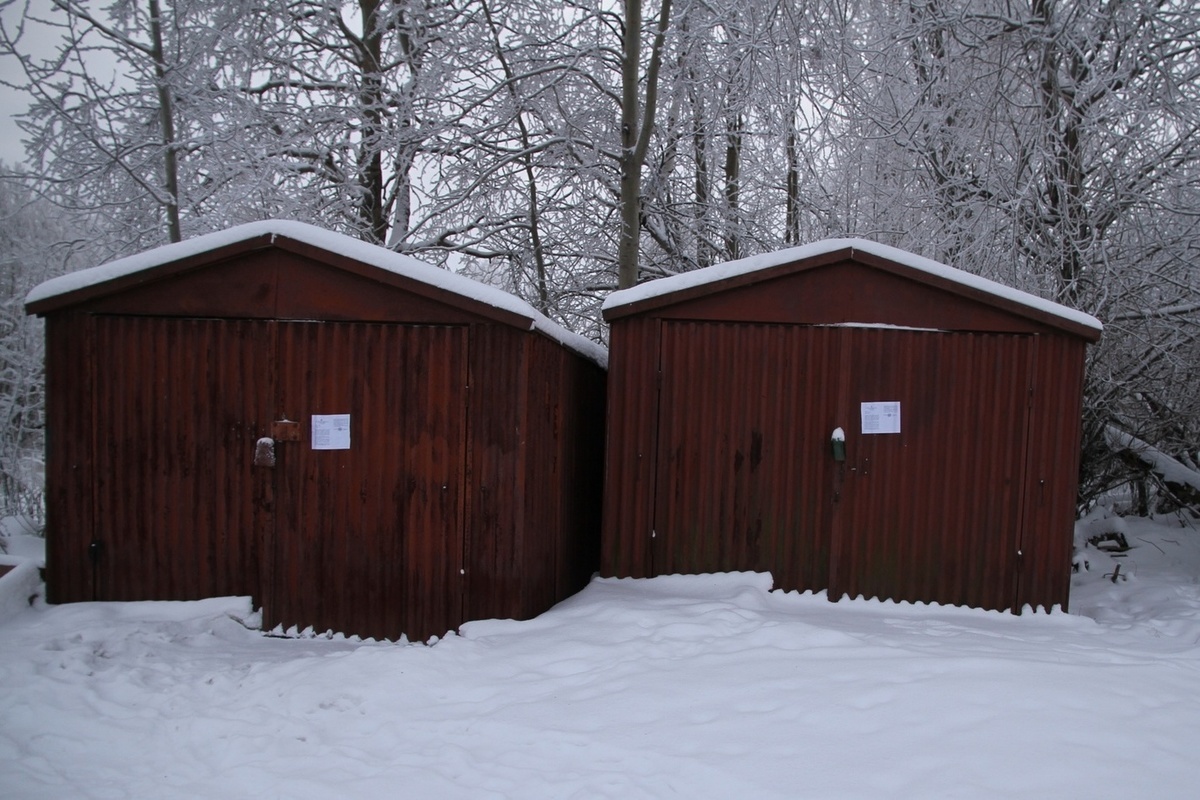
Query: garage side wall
x,y
585,401
535,443
564,454
1052,473
631,450
69,514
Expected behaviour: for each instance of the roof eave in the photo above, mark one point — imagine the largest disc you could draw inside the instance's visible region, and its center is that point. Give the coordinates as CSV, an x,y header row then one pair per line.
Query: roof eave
x,y
725,284
142,277
851,253
196,261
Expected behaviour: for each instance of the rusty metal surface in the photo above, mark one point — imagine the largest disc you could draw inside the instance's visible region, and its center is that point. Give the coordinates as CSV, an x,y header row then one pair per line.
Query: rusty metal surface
x,y
156,464
365,540
533,519
744,468
580,437
69,468
471,488
816,290
277,277
631,448
718,453
565,457
369,538
495,459
1052,473
172,482
932,513
538,535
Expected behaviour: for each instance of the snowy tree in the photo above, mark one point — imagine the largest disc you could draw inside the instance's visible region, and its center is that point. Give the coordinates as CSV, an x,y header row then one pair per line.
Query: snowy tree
x,y
341,100
122,112
1052,146
639,104
28,227
562,150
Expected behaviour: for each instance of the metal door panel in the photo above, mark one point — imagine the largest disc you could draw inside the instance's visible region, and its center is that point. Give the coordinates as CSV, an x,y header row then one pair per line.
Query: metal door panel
x,y
369,538
744,473
932,513
173,496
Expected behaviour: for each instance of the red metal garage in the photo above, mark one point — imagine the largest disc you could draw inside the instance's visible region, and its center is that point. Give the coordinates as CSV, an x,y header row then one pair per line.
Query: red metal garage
x,y
958,401
360,441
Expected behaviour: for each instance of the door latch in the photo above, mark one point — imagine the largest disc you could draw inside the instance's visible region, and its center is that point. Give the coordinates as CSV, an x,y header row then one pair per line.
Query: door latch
x,y
285,430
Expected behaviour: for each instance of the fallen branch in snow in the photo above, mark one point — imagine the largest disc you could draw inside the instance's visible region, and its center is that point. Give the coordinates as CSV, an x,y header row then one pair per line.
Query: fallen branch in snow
x,y
1109,542
1176,479
1156,547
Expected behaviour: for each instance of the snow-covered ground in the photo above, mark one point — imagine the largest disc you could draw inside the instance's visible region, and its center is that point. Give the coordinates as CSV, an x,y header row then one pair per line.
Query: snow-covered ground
x,y
702,686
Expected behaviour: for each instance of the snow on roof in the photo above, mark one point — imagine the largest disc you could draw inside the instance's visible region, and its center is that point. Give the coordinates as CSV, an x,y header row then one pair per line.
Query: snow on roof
x,y
744,266
341,244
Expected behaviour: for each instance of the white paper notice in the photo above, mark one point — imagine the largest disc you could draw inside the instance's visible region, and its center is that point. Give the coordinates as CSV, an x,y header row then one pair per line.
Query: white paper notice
x,y
331,432
881,417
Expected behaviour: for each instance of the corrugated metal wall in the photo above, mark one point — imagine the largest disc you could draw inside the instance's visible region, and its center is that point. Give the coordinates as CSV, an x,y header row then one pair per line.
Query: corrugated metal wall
x,y
533,521
369,539
744,468
172,443
1052,473
579,426
631,456
69,468
955,508
933,512
496,464
470,489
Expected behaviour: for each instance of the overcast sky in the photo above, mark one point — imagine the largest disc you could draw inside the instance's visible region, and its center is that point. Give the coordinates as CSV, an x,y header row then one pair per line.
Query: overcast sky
x,y
11,150
13,102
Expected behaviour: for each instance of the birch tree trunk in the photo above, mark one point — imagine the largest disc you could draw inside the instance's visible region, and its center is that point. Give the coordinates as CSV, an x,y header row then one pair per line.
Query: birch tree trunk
x,y
638,104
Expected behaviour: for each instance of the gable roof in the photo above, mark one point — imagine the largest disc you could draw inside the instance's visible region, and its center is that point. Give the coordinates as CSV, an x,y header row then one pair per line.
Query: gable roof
x,y
699,283
351,254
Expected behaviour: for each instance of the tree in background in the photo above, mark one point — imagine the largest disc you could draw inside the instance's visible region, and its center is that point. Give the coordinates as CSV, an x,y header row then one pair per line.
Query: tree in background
x,y
27,224
340,101
1054,147
560,150
123,112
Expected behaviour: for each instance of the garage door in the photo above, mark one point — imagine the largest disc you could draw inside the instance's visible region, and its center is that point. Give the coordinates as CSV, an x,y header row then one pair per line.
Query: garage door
x,y
744,473
357,526
926,504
